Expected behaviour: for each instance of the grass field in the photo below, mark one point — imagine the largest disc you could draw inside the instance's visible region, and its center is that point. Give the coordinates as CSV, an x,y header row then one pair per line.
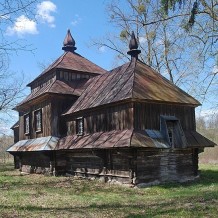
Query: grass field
x,y
41,196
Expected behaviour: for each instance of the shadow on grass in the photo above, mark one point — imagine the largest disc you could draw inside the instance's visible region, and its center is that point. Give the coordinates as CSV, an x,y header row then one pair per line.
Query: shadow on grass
x,y
145,209
207,177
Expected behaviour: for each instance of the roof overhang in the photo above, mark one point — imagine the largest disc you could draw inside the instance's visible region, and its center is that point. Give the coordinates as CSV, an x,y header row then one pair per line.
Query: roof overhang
x,y
39,144
129,138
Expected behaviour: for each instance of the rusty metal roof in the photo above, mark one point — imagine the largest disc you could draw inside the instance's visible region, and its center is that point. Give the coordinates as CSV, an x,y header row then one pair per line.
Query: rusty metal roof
x,y
195,139
72,61
114,139
58,87
39,144
96,140
134,80
127,138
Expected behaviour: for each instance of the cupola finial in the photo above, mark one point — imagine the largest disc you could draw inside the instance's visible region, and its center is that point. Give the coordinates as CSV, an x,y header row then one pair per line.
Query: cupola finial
x,y
133,47
69,42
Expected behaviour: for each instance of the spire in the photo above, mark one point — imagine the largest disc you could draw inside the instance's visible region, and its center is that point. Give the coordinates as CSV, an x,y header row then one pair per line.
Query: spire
x,y
69,42
133,47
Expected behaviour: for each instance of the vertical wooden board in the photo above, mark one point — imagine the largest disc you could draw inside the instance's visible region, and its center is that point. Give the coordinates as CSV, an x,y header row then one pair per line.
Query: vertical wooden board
x,y
21,127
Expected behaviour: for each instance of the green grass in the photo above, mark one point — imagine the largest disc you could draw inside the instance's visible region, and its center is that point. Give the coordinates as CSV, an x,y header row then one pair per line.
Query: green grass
x,y
41,196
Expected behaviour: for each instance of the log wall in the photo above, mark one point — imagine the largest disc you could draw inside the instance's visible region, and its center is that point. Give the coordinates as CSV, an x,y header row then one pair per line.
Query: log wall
x,y
166,165
35,162
132,166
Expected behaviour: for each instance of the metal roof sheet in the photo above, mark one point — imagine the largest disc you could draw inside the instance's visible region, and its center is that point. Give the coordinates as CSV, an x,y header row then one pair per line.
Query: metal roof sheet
x,y
113,139
39,144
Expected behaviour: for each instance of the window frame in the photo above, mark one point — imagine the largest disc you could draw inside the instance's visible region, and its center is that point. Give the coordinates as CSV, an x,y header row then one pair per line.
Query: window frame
x,y
80,129
25,129
173,133
38,130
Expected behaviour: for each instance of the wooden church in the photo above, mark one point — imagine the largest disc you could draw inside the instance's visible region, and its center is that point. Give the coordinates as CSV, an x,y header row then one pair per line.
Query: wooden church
x,y
129,125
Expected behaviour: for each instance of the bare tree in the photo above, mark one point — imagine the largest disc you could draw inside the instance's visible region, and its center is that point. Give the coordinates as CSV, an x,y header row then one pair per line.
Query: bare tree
x,y
11,86
178,38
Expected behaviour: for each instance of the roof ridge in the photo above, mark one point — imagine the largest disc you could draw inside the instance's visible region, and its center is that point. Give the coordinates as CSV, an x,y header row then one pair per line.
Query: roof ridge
x,y
80,98
114,85
118,92
133,83
113,75
51,85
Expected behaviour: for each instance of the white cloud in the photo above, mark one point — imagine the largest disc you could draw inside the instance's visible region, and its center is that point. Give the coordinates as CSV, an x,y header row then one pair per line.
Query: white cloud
x,y
22,25
44,10
102,49
215,69
142,40
76,20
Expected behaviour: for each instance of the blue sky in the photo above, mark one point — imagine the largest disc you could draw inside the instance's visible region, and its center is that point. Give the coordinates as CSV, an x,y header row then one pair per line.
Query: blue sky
x,y
46,34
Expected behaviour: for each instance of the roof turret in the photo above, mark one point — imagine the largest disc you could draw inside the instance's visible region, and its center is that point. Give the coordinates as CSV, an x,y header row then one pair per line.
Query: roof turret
x,y
69,42
133,46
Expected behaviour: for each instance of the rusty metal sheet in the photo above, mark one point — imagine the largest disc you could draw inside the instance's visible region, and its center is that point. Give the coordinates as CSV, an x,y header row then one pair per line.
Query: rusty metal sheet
x,y
39,144
195,139
96,140
149,138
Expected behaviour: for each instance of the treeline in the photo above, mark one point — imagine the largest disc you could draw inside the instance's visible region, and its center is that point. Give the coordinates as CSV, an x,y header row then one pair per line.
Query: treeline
x,y
208,126
5,142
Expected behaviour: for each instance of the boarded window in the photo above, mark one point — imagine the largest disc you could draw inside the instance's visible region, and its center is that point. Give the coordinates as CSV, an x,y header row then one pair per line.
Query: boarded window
x,y
38,120
173,132
79,126
27,124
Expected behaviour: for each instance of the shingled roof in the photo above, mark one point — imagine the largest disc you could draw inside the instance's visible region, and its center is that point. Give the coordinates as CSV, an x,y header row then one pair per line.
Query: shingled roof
x,y
134,80
71,60
58,87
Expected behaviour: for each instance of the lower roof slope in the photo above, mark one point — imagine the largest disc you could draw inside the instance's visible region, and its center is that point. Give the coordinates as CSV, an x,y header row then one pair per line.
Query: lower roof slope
x,y
58,87
133,80
128,138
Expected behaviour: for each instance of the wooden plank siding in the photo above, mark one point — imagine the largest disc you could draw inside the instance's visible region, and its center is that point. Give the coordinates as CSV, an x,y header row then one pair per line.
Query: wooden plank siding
x,y
119,117
58,105
46,122
147,115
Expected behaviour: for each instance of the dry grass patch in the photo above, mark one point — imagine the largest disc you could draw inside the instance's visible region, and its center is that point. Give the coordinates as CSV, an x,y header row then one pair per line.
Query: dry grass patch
x,y
41,196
